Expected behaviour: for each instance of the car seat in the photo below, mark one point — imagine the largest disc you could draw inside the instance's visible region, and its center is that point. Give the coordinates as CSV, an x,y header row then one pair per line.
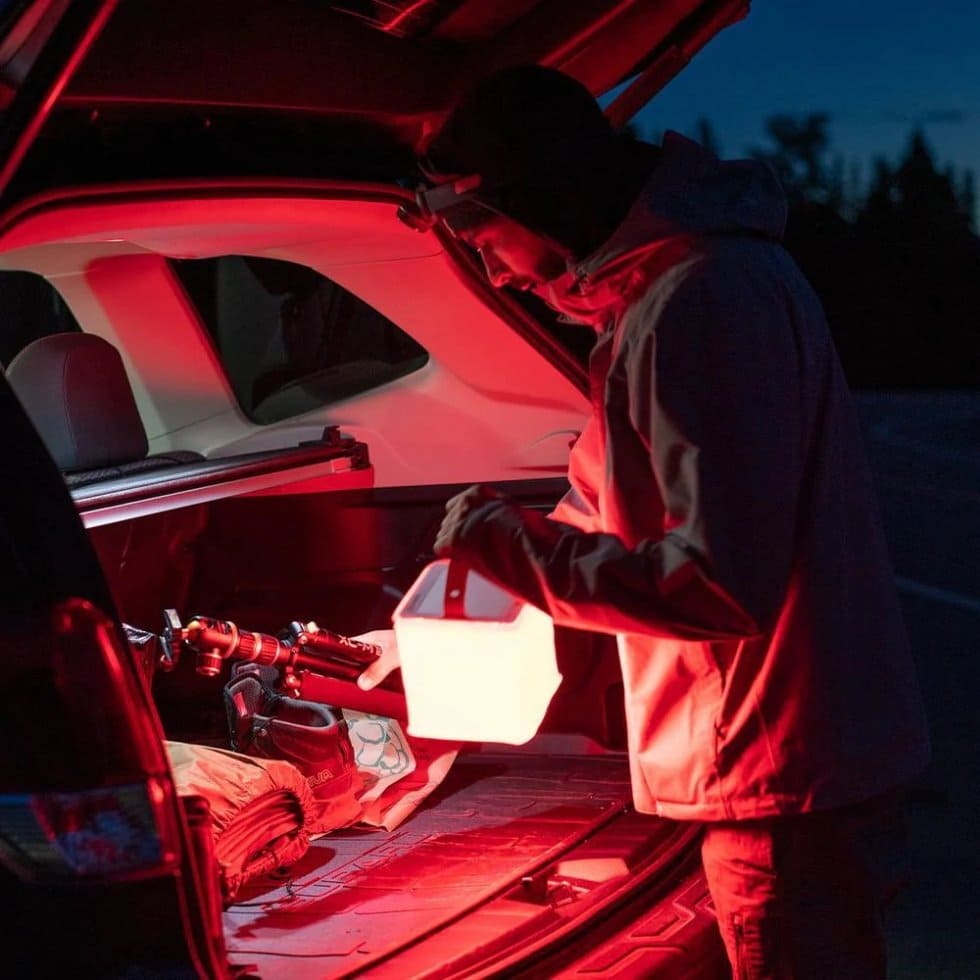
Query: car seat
x,y
75,389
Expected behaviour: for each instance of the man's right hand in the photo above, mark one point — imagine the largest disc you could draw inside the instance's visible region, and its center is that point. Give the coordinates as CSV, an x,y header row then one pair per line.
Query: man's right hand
x,y
458,508
385,664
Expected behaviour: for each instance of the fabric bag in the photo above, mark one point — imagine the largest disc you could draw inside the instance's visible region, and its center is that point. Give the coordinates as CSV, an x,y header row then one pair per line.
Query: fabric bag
x,y
261,809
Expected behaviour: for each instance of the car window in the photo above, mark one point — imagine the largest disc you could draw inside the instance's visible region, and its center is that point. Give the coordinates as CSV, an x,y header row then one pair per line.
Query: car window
x,y
30,307
289,338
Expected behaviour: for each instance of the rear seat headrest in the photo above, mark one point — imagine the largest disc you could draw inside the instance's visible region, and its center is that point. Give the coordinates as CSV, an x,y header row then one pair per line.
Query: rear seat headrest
x,y
75,390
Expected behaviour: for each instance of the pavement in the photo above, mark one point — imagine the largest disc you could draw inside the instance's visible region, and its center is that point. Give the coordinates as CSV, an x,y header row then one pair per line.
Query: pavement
x,y
925,455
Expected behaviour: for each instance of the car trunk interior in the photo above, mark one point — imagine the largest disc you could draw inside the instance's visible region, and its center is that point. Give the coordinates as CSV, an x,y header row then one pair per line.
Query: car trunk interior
x,y
531,841
343,559
524,853
522,848
529,852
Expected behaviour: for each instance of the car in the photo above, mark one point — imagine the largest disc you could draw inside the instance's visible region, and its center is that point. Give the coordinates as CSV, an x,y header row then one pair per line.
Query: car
x,y
244,389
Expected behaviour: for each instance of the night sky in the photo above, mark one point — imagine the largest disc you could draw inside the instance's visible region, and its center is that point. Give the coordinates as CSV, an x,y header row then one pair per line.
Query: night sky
x,y
877,67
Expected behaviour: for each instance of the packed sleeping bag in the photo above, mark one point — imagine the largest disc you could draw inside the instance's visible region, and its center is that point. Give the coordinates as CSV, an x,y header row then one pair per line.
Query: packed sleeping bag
x,y
261,809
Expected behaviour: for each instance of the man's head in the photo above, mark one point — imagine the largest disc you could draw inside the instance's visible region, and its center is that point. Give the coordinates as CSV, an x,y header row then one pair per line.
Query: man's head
x,y
515,166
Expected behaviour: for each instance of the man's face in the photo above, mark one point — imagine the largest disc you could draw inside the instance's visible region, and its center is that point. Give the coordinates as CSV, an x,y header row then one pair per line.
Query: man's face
x,y
512,254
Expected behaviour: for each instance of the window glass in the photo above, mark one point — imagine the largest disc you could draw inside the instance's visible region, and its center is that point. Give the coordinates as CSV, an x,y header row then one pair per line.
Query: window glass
x,y
290,339
30,307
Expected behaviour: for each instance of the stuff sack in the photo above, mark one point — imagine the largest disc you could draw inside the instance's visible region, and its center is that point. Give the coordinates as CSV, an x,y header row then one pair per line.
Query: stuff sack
x,y
261,809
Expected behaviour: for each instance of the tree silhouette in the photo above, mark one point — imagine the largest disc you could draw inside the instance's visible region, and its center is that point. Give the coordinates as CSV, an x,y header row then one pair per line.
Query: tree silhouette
x,y
967,197
899,271
879,208
926,272
926,198
797,154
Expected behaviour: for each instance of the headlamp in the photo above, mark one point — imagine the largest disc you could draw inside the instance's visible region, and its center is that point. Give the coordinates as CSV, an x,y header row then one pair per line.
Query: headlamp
x,y
455,203
463,203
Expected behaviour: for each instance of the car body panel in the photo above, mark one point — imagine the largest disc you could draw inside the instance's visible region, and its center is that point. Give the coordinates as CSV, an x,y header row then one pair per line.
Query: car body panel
x,y
508,414
43,44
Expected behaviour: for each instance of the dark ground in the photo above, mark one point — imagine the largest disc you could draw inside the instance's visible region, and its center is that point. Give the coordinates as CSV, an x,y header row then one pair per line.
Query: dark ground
x,y
925,451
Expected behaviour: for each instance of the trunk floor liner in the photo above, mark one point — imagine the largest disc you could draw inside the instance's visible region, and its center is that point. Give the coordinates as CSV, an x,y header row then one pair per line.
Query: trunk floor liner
x,y
358,895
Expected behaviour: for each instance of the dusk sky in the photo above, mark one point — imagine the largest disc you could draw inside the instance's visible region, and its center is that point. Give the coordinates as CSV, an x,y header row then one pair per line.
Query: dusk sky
x,y
877,67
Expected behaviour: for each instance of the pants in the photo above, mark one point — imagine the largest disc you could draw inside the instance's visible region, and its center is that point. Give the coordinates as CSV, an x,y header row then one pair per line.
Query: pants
x,y
800,897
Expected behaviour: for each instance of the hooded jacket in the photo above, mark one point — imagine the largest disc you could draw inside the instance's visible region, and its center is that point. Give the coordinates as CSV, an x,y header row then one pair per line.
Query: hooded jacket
x,y
721,519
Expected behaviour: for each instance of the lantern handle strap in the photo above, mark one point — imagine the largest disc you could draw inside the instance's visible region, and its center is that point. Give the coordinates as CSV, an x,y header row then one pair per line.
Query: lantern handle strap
x,y
455,600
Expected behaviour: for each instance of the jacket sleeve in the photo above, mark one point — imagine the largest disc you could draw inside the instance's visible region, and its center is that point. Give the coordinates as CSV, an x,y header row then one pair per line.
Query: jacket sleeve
x,y
713,391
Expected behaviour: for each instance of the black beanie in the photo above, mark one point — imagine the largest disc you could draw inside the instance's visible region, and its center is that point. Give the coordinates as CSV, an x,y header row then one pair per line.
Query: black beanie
x,y
530,133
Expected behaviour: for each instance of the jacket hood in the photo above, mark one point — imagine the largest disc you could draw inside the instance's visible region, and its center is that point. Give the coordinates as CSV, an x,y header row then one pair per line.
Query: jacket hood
x,y
690,194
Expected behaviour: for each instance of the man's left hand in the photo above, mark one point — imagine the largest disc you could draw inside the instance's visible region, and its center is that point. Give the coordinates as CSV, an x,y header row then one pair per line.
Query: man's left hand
x,y
457,510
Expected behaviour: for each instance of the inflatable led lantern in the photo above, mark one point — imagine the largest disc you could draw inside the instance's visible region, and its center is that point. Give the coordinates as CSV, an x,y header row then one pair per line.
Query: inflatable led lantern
x,y
478,664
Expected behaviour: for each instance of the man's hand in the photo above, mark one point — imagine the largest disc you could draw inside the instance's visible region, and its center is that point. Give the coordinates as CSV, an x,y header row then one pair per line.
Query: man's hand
x,y
458,509
385,664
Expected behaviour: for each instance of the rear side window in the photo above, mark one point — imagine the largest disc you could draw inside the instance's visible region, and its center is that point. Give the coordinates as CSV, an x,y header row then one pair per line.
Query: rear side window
x,y
30,307
289,338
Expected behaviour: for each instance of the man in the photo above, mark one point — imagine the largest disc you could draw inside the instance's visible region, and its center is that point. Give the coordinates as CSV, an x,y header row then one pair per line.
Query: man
x,y
720,521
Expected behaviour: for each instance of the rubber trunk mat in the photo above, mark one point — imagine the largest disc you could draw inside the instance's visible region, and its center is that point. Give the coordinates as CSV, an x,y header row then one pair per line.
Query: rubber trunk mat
x,y
357,896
